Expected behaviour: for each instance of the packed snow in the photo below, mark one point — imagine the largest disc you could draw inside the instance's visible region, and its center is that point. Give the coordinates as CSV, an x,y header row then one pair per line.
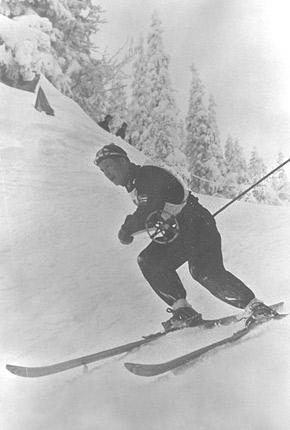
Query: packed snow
x,y
69,288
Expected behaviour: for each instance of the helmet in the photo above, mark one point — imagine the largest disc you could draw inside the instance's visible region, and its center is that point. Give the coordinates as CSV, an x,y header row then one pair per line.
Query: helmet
x,y
109,151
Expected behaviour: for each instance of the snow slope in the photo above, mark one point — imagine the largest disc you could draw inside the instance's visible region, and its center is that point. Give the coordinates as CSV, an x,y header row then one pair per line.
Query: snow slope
x,y
68,288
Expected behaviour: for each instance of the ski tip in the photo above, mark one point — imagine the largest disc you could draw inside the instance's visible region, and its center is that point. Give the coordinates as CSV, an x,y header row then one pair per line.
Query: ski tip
x,y
18,370
131,367
138,369
12,369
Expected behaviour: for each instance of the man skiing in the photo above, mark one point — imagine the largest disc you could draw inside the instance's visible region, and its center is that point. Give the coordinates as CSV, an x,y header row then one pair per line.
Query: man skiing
x,y
198,242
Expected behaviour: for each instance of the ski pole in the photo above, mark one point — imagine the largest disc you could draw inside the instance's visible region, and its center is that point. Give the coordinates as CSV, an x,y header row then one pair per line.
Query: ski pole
x,y
251,187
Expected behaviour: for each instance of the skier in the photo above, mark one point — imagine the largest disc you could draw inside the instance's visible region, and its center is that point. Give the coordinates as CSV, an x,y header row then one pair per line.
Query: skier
x,y
198,243
105,124
121,132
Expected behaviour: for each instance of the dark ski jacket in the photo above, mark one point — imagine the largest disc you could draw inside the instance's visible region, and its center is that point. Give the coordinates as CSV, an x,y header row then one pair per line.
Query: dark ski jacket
x,y
151,188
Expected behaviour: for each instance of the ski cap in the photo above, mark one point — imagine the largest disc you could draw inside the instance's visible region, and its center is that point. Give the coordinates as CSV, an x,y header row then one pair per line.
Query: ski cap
x,y
109,151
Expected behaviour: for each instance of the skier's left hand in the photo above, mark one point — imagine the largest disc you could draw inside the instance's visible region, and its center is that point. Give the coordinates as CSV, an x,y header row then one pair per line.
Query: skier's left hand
x,y
124,237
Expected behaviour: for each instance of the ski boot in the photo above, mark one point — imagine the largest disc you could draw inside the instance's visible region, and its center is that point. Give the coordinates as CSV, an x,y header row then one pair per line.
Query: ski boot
x,y
183,316
257,311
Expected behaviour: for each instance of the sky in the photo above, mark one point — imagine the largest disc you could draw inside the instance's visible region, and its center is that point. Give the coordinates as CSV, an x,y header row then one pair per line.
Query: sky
x,y
240,49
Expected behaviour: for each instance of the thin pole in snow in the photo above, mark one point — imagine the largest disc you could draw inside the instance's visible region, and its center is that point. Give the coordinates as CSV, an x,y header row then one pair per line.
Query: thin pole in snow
x,y
252,186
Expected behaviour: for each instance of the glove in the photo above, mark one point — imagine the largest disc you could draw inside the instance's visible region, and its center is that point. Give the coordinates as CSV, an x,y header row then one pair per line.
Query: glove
x,y
124,237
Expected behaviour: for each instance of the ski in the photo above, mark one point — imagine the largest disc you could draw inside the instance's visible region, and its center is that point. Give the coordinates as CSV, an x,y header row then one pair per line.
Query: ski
x,y
34,372
158,369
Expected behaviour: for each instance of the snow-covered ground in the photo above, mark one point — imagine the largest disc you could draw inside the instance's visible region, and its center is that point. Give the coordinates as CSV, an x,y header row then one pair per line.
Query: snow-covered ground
x,y
68,288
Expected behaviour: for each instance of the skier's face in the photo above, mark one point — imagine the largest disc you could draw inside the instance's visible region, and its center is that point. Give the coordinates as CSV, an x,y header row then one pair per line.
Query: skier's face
x,y
116,169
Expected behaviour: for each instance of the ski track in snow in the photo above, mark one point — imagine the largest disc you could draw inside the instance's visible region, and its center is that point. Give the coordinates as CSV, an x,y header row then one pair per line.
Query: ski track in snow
x,y
68,288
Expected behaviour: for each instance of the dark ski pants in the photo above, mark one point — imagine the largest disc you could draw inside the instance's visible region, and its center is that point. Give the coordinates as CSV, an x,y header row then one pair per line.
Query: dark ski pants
x,y
199,244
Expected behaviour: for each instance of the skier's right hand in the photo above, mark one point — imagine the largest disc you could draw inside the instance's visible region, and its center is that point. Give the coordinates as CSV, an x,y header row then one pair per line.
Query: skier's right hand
x,y
124,237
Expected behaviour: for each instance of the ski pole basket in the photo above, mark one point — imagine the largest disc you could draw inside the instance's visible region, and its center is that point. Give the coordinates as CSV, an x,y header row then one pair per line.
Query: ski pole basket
x,y
162,227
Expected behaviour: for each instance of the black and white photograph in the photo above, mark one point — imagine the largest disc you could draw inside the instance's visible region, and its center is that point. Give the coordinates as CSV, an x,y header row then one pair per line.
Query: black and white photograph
x,y
145,215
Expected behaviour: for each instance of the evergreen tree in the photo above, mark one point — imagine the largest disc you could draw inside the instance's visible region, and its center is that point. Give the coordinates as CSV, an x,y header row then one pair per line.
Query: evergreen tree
x,y
217,164
279,186
280,175
29,50
198,138
181,134
72,23
58,42
117,102
90,88
231,182
138,108
257,170
236,165
161,136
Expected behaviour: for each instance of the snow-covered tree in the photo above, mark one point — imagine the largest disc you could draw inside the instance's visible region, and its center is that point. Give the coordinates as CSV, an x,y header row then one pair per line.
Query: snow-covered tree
x,y
198,138
280,176
236,165
138,108
26,48
278,190
90,88
256,171
56,38
181,134
67,26
217,162
117,101
161,136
